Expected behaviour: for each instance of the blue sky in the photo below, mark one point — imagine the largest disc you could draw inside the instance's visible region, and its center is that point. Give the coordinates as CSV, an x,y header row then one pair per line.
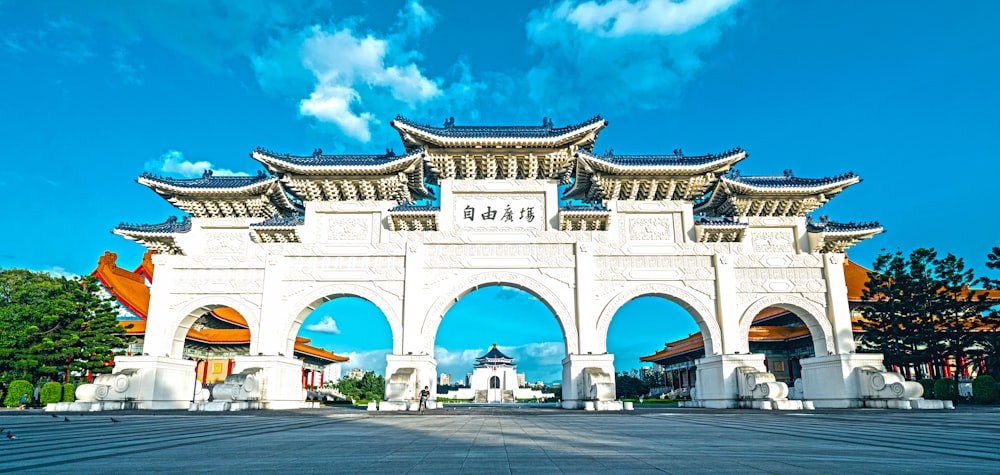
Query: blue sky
x,y
95,93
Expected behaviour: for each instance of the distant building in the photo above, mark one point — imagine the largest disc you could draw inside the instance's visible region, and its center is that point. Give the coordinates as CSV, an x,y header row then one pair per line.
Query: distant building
x,y
354,373
444,380
494,379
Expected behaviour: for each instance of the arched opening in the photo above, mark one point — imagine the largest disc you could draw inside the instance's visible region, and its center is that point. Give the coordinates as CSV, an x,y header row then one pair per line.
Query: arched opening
x,y
342,345
784,340
499,343
639,328
212,336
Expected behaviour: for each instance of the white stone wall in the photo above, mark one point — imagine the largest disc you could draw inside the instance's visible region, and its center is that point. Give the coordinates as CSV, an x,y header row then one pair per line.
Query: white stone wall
x,y
584,277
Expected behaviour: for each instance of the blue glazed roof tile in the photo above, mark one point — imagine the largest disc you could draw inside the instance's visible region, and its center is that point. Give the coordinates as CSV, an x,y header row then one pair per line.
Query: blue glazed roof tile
x,y
209,180
280,221
675,159
172,225
320,159
788,180
484,131
403,207
827,226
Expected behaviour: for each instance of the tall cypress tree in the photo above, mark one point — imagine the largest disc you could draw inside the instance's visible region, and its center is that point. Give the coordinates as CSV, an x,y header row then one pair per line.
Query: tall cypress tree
x,y
921,308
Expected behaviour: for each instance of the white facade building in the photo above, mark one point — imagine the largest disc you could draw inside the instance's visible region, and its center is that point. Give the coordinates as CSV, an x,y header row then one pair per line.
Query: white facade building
x,y
495,379
530,207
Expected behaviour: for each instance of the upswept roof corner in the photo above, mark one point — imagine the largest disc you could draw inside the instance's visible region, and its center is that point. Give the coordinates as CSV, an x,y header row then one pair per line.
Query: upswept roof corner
x,y
415,135
830,236
784,195
213,196
648,177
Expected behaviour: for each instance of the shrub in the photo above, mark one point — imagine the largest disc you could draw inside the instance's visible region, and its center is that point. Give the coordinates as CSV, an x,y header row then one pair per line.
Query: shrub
x,y
928,385
51,392
15,390
946,390
984,390
69,392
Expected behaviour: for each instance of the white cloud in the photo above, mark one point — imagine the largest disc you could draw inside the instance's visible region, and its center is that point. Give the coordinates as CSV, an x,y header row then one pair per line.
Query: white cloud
x,y
347,79
173,163
656,17
631,53
326,325
372,360
57,271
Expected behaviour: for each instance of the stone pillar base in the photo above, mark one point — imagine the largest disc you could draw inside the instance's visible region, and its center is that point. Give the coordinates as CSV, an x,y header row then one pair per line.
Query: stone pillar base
x,y
158,382
280,379
574,384
830,382
426,373
717,386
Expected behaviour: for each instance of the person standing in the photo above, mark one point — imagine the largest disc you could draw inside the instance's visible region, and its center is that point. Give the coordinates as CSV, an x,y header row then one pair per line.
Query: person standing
x,y
24,401
424,395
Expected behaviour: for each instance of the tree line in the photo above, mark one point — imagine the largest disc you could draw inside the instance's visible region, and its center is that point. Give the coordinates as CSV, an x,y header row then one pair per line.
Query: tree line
x,y
55,328
922,308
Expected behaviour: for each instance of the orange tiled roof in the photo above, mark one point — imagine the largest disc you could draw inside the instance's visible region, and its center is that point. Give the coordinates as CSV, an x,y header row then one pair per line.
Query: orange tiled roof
x,y
692,342
302,347
146,266
856,277
229,315
128,287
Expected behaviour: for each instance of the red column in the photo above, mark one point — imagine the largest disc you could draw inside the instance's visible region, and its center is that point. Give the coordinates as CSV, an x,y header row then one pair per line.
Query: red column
x,y
322,378
204,374
229,366
303,378
312,379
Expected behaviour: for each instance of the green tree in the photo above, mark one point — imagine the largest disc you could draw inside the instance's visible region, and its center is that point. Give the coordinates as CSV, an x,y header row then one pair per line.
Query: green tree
x,y
920,308
630,385
50,326
988,334
371,385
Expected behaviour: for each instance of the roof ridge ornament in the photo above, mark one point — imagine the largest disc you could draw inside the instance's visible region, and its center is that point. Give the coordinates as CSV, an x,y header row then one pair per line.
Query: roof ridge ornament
x,y
449,123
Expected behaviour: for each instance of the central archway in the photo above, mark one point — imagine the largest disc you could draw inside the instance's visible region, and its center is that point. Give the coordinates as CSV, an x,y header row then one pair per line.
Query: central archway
x,y
536,288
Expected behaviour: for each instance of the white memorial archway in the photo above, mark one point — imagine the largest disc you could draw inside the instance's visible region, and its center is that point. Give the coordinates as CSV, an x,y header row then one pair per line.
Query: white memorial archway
x,y
527,206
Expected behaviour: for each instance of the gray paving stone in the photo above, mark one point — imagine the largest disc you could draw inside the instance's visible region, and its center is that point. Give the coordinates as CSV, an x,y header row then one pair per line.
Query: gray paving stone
x,y
513,441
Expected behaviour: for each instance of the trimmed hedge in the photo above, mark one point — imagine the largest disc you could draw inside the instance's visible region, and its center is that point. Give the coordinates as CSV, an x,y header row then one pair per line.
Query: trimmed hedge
x,y
51,392
928,385
15,390
946,390
984,390
69,392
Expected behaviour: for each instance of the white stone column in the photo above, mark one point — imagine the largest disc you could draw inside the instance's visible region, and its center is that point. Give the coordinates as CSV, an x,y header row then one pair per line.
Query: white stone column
x,y
717,385
280,379
830,381
416,303
159,383
838,310
727,315
274,313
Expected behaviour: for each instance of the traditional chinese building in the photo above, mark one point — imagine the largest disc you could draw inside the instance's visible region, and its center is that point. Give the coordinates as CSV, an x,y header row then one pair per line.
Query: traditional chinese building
x,y
494,378
212,342
784,340
530,206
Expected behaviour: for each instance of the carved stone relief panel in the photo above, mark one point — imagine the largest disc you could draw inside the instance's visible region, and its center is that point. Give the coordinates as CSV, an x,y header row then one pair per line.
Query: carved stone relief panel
x,y
654,267
343,268
219,281
773,240
499,255
780,280
349,228
221,242
651,228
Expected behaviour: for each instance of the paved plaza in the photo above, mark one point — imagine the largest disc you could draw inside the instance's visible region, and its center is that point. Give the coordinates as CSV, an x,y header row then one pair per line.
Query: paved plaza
x,y
505,440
